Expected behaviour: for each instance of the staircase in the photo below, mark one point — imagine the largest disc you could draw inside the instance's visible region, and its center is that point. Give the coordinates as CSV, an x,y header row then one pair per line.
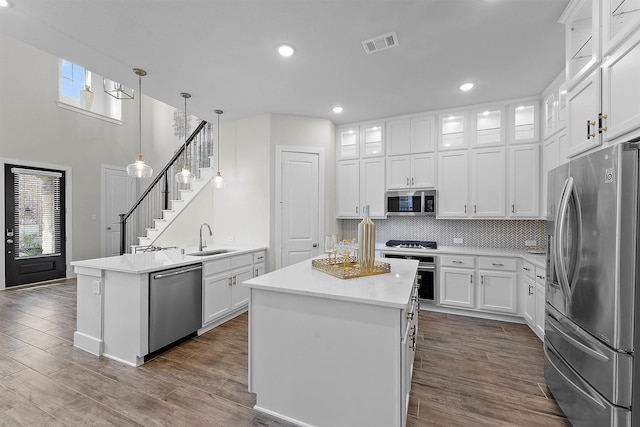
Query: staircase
x,y
164,199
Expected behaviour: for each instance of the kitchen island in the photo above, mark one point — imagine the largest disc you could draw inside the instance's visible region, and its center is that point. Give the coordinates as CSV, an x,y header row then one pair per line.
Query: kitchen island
x,y
324,351
113,296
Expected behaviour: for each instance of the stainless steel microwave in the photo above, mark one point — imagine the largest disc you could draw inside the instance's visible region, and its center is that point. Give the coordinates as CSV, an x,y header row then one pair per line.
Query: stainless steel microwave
x,y
411,203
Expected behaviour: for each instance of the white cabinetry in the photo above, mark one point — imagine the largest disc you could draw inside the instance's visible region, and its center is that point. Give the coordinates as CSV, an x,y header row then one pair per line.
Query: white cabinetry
x,y
524,181
583,108
222,290
414,171
498,287
353,142
621,89
488,127
533,280
259,259
348,143
410,136
348,189
453,133
582,37
488,182
457,281
372,173
524,120
619,19
492,287
360,183
453,184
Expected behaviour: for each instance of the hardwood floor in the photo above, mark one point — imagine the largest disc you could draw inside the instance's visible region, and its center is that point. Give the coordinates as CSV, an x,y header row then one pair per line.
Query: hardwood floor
x,y
468,372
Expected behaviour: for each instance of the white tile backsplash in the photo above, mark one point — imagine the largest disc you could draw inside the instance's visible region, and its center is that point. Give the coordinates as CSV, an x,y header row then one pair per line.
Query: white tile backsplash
x,y
508,234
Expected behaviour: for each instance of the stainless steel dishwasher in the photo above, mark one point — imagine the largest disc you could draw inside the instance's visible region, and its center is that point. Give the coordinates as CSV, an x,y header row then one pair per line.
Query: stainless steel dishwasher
x,y
175,305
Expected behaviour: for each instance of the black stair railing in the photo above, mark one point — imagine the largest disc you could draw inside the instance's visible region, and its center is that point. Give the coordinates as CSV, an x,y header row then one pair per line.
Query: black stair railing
x,y
164,188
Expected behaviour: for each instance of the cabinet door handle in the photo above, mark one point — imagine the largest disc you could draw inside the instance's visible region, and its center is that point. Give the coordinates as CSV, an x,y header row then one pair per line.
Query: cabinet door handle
x,y
497,264
513,208
465,208
482,279
530,292
475,210
455,261
589,133
235,280
356,210
230,281
256,275
539,276
412,180
526,269
601,128
407,181
471,278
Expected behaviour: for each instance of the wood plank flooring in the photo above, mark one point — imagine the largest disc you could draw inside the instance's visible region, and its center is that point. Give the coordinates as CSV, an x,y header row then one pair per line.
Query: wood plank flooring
x,y
468,372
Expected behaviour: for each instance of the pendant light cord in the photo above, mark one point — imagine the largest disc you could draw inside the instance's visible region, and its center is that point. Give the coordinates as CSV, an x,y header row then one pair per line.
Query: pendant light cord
x,y
186,156
140,113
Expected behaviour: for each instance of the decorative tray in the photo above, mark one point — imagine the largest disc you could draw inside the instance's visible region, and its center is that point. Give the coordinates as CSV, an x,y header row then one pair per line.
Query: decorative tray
x,y
349,269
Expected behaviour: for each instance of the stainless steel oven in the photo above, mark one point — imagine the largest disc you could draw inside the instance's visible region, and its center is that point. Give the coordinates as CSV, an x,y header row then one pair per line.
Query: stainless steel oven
x,y
427,274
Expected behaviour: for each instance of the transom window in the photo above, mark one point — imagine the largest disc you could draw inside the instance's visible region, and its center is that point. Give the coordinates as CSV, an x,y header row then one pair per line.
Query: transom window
x,y
74,79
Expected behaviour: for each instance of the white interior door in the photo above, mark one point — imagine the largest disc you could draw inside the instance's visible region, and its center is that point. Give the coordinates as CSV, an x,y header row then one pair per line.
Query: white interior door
x,y
299,206
119,196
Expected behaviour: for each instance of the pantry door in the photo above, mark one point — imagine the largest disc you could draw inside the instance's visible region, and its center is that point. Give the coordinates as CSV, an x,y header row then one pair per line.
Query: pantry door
x,y
299,209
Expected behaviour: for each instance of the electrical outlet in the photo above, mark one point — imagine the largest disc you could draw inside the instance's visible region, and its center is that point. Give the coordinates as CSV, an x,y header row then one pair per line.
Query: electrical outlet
x,y
457,240
530,243
96,286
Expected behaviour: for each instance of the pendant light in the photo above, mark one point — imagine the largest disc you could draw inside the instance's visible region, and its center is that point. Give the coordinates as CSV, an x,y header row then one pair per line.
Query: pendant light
x,y
218,178
139,169
185,176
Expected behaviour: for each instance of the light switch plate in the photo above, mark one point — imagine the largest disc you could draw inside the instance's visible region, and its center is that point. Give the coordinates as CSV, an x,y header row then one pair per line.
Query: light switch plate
x,y
96,286
530,243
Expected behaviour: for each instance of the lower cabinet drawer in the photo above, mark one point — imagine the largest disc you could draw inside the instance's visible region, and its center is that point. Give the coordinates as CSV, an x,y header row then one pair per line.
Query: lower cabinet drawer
x,y
498,263
464,261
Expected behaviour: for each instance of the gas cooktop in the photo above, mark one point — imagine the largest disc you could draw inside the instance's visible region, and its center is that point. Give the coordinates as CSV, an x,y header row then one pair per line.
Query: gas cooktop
x,y
412,244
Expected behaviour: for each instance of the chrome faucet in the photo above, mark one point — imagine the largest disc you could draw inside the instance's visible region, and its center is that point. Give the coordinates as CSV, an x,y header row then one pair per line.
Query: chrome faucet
x,y
200,246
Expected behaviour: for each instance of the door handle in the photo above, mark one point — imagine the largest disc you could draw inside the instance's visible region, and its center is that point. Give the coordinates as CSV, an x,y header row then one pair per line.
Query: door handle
x,y
108,228
315,245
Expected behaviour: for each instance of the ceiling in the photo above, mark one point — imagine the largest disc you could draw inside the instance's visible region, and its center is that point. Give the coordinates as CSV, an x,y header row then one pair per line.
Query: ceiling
x,y
223,51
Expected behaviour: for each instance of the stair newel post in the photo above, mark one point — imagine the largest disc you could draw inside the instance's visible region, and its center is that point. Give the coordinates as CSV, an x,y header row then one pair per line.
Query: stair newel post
x,y
123,233
165,191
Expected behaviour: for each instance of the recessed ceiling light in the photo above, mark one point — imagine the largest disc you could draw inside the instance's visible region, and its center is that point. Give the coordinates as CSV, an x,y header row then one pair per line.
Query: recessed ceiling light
x,y
338,109
286,50
5,3
466,86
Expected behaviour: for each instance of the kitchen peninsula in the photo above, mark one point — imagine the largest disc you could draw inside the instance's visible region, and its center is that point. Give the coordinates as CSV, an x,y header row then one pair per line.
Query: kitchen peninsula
x,y
113,296
324,351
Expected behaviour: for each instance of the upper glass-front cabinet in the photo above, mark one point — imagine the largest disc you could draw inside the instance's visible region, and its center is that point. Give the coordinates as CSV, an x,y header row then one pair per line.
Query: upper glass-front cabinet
x,y
619,19
452,131
582,29
489,127
372,140
524,122
348,143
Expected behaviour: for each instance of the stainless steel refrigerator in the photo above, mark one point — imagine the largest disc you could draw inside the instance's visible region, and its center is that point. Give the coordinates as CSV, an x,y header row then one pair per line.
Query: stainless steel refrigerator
x,y
591,326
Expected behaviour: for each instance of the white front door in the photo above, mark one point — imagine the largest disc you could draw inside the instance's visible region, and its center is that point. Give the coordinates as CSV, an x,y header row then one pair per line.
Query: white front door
x,y
299,205
119,196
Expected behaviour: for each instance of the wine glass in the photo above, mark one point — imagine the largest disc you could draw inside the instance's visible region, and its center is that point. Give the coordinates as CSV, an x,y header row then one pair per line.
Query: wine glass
x,y
331,245
344,248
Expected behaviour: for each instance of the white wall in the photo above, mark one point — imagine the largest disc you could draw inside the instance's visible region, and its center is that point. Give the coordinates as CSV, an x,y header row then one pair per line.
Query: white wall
x,y
34,129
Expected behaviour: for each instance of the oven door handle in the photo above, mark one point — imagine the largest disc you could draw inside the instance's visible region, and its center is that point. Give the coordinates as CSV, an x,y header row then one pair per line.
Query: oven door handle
x,y
426,267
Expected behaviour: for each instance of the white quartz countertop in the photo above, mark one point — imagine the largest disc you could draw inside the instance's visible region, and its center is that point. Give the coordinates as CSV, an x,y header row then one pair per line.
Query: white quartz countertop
x,y
390,289
147,262
536,259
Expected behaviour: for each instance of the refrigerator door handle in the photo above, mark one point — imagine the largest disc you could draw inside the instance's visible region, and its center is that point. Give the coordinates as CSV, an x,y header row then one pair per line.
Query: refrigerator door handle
x,y
576,339
585,391
559,230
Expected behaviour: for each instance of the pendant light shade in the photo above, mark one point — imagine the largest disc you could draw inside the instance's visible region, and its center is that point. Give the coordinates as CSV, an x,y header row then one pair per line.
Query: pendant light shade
x,y
185,176
217,180
138,168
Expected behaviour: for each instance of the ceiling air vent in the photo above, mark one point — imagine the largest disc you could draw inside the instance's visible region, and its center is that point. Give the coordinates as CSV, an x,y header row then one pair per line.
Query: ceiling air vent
x,y
382,42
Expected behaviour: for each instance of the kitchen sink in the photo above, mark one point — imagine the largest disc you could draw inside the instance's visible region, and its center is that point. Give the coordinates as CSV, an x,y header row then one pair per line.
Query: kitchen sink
x,y
211,252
